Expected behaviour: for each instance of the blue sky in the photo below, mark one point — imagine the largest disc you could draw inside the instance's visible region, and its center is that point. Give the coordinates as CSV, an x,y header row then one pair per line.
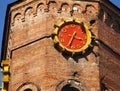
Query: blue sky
x,y
3,7
116,2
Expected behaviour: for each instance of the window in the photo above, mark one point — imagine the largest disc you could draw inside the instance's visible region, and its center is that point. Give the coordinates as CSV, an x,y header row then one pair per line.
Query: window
x,y
68,87
28,89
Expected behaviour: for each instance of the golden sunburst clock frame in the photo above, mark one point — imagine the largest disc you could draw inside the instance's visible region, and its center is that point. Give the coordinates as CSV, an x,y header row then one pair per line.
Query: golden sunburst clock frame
x,y
72,36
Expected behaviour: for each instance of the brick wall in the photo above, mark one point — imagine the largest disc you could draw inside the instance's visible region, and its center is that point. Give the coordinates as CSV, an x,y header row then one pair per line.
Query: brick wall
x,y
109,36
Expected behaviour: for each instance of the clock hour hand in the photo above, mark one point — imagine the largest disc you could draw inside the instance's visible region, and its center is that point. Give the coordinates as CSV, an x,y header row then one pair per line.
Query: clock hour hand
x,y
71,39
78,38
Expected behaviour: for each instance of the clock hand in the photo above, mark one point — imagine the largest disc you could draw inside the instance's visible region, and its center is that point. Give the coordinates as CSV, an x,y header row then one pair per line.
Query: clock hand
x,y
78,38
73,35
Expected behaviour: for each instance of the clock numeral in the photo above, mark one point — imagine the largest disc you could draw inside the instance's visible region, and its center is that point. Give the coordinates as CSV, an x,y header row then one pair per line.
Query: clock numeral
x,y
73,26
85,37
78,46
83,42
62,40
79,28
64,30
72,47
69,35
60,35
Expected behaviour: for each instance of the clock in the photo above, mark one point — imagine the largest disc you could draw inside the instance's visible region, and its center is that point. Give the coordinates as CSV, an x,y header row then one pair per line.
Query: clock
x,y
72,36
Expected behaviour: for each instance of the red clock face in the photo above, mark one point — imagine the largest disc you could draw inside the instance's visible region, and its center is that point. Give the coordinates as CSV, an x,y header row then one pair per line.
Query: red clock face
x,y
72,37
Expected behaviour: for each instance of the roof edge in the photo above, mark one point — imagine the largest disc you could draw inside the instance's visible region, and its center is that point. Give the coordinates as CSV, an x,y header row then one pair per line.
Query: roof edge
x,y
110,5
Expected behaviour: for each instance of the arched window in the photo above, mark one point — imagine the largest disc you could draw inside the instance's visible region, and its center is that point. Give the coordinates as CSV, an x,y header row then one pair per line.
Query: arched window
x,y
28,86
65,7
29,14
52,6
40,8
68,87
28,89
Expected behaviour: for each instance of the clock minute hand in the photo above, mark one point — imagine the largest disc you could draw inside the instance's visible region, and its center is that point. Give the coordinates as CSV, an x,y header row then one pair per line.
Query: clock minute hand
x,y
73,35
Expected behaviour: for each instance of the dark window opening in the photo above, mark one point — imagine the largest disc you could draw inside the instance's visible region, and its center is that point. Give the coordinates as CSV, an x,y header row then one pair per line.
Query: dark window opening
x,y
28,89
69,88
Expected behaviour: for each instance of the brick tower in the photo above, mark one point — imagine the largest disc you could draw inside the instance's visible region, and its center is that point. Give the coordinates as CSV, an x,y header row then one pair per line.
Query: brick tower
x,y
39,60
